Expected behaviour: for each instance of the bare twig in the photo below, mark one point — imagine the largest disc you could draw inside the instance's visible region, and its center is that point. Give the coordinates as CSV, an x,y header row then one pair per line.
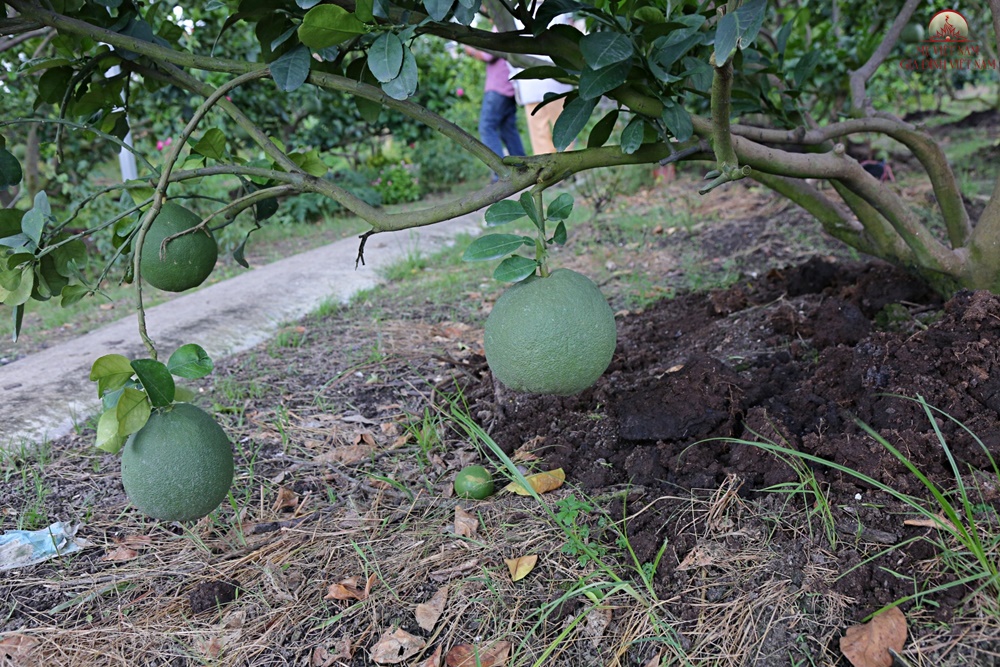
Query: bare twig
x,y
860,103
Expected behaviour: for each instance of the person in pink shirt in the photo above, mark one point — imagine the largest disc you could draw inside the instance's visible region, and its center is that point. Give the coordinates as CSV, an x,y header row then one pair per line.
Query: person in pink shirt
x,y
498,116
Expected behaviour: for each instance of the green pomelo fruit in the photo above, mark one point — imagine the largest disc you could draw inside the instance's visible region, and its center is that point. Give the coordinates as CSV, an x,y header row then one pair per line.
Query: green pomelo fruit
x,y
912,33
553,335
187,260
474,482
649,15
179,466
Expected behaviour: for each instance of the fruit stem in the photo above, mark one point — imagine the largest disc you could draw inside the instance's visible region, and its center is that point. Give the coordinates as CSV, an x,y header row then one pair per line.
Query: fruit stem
x,y
541,251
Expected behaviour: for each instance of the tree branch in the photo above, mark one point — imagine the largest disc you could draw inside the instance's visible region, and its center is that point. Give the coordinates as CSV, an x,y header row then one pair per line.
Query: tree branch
x,y
11,42
860,103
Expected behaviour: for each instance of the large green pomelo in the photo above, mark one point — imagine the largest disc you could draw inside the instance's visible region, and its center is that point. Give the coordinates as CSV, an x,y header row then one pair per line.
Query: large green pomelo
x,y
179,466
187,260
553,335
912,33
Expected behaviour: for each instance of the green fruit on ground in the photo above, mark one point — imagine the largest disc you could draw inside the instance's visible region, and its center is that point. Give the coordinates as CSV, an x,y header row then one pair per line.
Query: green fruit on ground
x,y
187,260
474,482
552,335
912,33
179,466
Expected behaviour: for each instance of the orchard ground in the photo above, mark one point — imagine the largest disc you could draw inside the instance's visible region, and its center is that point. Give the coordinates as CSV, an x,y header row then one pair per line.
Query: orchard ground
x,y
668,544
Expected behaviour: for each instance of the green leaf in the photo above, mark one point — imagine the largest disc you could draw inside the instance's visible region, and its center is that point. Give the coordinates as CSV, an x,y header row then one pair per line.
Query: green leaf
x,y
405,84
364,10
310,162
52,85
239,254
385,57
503,212
110,372
601,49
594,83
190,361
678,121
438,9
559,237
291,70
34,221
494,246
185,395
560,208
156,380
108,438
133,411
540,72
515,269
18,320
671,47
602,130
328,25
10,170
632,135
73,293
725,39
528,204
571,121
20,286
738,30
212,144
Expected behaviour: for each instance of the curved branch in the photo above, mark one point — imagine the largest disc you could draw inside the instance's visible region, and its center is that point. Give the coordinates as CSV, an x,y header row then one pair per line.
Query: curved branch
x,y
860,103
921,144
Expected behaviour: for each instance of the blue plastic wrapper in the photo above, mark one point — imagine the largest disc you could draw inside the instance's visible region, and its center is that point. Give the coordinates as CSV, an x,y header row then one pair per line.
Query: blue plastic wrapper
x,y
19,548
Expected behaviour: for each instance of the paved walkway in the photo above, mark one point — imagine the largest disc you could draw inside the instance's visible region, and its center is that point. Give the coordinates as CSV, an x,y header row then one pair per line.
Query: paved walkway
x,y
42,395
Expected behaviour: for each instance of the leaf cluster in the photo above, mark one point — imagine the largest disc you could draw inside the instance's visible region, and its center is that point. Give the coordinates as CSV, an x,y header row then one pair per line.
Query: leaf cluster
x,y
131,390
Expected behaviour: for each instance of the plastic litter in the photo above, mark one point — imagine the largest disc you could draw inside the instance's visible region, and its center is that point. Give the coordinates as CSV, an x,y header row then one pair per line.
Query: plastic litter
x,y
19,548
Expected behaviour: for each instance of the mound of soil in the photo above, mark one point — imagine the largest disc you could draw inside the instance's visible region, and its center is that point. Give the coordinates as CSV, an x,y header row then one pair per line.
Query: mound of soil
x,y
801,358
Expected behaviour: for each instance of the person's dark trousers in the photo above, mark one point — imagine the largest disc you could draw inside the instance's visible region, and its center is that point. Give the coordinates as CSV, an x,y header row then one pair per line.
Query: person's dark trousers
x,y
498,124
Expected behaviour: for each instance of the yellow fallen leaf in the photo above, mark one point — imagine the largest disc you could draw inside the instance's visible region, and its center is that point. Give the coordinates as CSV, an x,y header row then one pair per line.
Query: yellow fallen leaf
x,y
466,524
541,482
287,499
429,612
349,589
121,553
466,655
396,647
868,645
434,660
521,567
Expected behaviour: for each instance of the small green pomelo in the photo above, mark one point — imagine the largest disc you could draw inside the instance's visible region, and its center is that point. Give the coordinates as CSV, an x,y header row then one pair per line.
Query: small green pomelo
x,y
553,335
187,260
474,482
912,33
179,466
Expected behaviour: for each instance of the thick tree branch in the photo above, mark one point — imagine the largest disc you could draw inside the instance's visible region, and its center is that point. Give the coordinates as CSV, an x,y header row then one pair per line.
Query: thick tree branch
x,y
921,144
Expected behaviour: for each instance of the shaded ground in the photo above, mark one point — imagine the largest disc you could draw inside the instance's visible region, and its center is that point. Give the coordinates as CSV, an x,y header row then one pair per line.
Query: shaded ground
x,y
344,470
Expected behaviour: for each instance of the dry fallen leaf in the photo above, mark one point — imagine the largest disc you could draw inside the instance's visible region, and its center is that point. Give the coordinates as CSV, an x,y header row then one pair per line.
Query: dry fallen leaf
x,y
346,455
521,567
434,660
349,589
365,438
429,612
322,657
466,524
655,660
121,553
396,647
927,522
697,557
466,655
287,499
17,647
868,645
541,482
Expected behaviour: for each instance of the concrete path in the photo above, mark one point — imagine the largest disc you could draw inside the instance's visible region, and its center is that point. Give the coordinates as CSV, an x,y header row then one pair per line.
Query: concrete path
x,y
42,394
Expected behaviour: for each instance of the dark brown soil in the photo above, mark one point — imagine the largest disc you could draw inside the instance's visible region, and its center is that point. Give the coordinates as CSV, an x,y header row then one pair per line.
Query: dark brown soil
x,y
799,358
